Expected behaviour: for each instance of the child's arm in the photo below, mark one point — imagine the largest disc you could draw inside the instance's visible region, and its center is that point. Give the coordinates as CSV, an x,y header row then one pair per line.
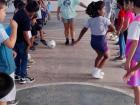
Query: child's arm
x,y
133,47
83,31
82,5
131,72
10,42
27,39
111,28
58,13
126,24
42,4
119,28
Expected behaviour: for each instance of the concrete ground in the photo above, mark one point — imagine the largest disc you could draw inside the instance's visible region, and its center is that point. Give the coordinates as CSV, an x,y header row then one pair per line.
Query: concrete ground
x,y
72,64
72,94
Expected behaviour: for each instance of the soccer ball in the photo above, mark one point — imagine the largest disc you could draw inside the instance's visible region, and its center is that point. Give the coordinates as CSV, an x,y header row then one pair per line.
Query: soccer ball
x,y
51,44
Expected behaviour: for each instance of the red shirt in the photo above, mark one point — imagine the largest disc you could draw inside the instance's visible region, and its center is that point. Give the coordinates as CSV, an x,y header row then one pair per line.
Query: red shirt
x,y
120,16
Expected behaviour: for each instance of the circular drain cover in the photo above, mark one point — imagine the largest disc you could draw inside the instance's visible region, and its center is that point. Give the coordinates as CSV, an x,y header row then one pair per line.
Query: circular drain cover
x,y
72,94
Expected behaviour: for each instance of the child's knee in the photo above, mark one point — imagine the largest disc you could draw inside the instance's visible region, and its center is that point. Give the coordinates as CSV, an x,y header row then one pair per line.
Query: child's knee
x,y
106,56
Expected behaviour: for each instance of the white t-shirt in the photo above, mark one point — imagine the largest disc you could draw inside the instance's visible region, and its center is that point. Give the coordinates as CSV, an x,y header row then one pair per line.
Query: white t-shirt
x,y
134,34
98,25
134,31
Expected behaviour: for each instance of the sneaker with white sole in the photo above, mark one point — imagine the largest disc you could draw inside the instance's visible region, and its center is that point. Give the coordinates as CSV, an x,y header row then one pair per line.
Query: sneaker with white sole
x,y
102,73
97,74
99,70
17,78
26,80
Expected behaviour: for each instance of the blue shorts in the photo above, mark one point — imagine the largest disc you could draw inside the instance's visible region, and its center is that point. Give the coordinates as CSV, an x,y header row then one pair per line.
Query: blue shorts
x,y
98,42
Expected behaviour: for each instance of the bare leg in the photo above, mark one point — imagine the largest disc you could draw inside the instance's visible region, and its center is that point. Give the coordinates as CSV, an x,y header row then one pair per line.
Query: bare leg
x,y
3,103
98,58
66,32
137,95
72,32
41,34
32,40
49,16
103,60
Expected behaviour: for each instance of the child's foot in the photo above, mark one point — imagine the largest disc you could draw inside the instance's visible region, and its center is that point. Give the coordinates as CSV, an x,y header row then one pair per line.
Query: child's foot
x,y
72,42
35,43
31,61
33,48
17,78
122,59
67,41
43,42
26,80
97,73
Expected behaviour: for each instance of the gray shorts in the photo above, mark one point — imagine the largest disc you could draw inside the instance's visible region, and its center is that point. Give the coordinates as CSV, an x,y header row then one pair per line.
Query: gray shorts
x,y
67,20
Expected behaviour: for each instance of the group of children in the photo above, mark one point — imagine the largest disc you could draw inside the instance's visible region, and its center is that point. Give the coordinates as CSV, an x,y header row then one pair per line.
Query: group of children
x,y
18,40
128,26
128,31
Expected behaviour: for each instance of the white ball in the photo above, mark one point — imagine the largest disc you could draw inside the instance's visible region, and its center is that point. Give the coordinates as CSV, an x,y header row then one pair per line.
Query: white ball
x,y
51,44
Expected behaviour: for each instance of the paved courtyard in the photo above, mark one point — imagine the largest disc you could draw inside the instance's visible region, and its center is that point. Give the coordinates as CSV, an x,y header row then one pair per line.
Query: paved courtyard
x,y
68,65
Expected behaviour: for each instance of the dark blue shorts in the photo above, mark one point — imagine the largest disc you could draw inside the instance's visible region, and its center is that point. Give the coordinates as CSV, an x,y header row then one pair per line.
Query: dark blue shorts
x,y
98,42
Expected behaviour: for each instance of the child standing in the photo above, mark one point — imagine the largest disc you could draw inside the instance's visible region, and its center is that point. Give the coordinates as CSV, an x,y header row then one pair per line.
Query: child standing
x,y
23,18
133,54
7,64
129,16
68,13
99,26
120,23
49,9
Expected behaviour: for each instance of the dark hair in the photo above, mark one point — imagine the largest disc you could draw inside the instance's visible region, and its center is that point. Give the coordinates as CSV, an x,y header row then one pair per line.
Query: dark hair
x,y
6,84
93,7
16,2
137,3
120,2
2,2
32,6
20,5
127,1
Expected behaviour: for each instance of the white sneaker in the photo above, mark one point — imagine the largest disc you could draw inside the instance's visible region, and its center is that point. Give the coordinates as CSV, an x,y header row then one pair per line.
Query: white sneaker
x,y
96,73
99,70
102,73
